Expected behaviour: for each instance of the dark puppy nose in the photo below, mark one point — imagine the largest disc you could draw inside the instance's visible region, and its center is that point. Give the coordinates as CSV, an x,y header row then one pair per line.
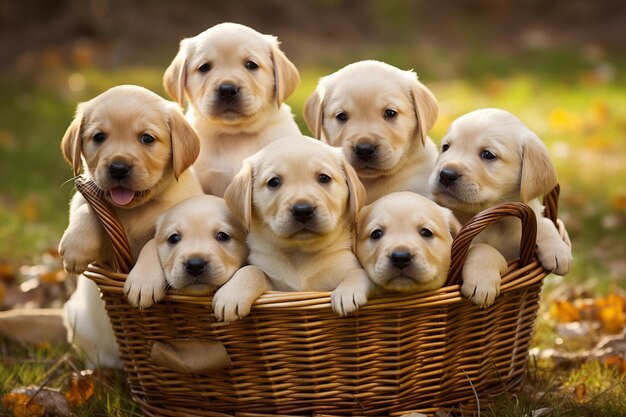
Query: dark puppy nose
x,y
401,259
227,92
195,266
119,170
448,176
302,212
365,151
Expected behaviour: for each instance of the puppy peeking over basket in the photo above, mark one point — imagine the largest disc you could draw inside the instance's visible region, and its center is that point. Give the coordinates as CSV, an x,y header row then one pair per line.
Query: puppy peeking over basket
x,y
488,157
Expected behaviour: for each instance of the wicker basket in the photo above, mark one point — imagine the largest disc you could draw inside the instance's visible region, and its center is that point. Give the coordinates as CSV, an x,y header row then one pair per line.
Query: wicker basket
x,y
294,356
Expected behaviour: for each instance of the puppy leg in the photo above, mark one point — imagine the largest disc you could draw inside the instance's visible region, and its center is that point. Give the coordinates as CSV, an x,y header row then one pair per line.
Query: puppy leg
x,y
83,238
554,253
482,272
233,300
352,292
146,282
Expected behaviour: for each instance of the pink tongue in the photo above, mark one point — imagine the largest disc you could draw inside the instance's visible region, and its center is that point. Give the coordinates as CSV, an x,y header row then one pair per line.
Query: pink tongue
x,y
122,196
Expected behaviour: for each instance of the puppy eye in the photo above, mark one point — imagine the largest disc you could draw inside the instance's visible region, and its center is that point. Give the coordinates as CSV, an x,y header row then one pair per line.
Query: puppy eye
x,y
444,147
146,139
206,67
342,116
390,113
376,234
251,65
174,238
323,179
487,155
222,237
274,182
424,232
99,137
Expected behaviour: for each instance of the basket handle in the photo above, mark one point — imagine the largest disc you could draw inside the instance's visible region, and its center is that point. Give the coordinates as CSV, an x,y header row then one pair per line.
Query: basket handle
x,y
121,248
478,223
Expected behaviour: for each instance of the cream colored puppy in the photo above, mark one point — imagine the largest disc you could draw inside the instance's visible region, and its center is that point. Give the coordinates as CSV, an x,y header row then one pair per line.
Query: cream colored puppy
x,y
236,81
380,116
198,246
299,199
489,157
136,147
404,242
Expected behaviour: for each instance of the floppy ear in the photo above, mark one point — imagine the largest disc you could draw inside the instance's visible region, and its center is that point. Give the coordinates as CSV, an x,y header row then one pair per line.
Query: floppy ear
x,y
425,107
314,113
538,172
185,142
238,194
71,144
453,224
357,191
175,77
286,75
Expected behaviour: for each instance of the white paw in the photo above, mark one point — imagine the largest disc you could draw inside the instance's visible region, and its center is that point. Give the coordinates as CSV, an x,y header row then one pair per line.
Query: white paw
x,y
481,286
143,292
346,299
555,255
78,251
229,306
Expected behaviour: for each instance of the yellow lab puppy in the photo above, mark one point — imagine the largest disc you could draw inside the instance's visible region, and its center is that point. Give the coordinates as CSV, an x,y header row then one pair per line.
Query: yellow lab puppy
x,y
236,81
380,116
136,147
488,157
198,246
299,199
404,242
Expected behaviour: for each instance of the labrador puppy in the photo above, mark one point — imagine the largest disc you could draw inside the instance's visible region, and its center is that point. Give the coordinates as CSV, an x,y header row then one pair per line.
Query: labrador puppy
x,y
136,148
299,199
236,81
489,157
404,242
198,246
380,116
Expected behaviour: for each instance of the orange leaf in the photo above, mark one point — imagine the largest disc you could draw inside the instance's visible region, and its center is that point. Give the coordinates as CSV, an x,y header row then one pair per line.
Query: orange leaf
x,y
612,314
564,312
616,361
580,392
20,404
7,274
81,389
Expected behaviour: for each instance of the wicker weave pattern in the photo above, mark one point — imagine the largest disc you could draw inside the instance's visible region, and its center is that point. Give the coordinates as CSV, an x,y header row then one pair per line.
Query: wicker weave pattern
x,y
294,356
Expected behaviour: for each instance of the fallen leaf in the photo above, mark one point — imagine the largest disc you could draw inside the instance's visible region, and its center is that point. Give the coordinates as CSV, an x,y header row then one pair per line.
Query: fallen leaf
x,y
611,313
580,392
7,273
19,404
81,388
564,312
615,361
36,402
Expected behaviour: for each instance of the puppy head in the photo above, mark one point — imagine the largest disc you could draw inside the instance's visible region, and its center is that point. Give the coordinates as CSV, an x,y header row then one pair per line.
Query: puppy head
x,y
297,191
488,157
404,242
231,74
133,143
377,113
200,243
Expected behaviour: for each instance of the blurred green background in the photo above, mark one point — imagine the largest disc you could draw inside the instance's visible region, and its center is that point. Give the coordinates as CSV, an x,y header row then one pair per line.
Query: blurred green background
x,y
559,66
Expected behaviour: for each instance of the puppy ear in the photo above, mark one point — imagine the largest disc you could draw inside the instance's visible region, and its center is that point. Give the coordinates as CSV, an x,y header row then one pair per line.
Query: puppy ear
x,y
286,75
185,141
314,113
175,77
453,224
426,109
357,191
71,144
238,194
538,172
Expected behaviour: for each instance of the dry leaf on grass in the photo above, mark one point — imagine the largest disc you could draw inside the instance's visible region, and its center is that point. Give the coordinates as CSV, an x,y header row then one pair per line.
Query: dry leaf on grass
x,y
81,388
36,402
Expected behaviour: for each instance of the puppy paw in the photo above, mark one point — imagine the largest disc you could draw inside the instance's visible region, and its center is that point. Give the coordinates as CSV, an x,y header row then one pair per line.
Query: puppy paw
x,y
78,251
142,292
481,286
229,307
555,255
346,299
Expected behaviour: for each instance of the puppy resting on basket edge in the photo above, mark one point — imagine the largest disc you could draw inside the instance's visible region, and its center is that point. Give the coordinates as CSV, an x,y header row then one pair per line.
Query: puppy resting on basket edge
x,y
198,246
136,148
299,199
236,81
488,157
404,242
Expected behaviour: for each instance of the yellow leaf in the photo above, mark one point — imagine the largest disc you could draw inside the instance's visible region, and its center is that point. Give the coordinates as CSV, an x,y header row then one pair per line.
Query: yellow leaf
x,y
612,314
564,121
22,405
81,389
564,312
